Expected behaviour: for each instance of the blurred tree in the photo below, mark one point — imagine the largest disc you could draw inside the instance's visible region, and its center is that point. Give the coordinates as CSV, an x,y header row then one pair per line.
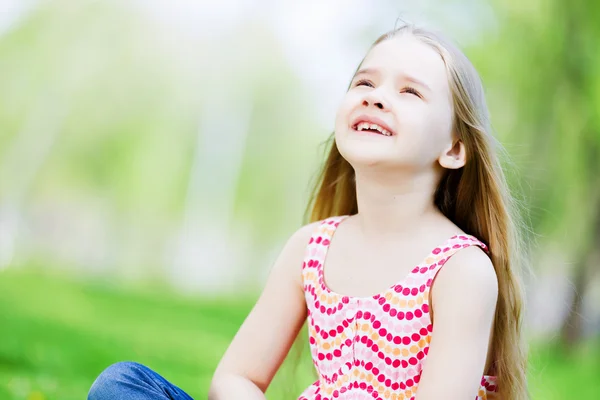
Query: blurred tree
x,y
545,59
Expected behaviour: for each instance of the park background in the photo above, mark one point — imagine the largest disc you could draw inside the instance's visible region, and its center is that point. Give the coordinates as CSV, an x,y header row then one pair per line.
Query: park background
x,y
155,155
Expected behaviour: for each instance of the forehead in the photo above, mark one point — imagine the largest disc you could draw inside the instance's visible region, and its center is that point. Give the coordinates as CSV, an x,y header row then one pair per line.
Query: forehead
x,y
407,55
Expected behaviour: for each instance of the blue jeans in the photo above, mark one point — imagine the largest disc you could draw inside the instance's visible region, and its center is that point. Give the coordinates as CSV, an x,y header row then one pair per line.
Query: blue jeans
x,y
133,381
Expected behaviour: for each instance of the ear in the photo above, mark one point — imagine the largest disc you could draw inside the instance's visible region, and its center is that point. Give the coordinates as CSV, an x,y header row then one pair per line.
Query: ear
x,y
454,156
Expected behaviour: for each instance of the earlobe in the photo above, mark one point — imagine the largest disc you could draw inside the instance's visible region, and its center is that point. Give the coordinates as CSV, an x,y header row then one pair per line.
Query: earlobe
x,y
454,157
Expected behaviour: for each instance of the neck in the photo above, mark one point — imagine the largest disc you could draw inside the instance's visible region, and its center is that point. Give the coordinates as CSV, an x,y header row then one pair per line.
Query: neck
x,y
400,205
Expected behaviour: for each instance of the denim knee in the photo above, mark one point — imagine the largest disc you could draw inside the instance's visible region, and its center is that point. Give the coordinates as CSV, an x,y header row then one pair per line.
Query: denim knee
x,y
110,382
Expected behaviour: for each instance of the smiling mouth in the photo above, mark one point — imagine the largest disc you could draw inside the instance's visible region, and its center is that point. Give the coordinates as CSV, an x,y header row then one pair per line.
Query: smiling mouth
x,y
373,128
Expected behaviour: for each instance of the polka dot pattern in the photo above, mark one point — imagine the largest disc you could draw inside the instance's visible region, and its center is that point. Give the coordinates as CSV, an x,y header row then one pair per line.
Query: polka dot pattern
x,y
372,347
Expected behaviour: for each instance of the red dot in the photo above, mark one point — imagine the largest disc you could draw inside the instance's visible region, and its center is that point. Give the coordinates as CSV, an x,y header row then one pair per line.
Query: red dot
x,y
337,353
359,314
376,324
386,308
409,383
396,363
381,300
395,386
414,291
388,361
406,340
397,340
363,385
415,337
437,250
381,378
425,308
400,315
418,313
388,382
368,366
413,361
393,312
375,371
406,291
319,239
382,332
367,315
340,329
409,315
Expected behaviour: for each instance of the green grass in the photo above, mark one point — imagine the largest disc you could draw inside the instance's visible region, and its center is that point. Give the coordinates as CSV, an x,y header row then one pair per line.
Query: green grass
x,y
57,334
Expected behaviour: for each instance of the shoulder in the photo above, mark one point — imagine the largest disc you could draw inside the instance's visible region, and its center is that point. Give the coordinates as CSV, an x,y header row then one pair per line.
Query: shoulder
x,y
468,274
292,255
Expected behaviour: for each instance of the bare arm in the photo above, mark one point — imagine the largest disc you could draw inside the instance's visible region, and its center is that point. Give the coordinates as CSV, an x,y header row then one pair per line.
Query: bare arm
x,y
464,301
265,337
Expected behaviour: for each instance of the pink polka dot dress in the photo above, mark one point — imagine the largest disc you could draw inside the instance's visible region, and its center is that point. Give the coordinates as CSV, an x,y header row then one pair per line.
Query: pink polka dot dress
x,y
372,347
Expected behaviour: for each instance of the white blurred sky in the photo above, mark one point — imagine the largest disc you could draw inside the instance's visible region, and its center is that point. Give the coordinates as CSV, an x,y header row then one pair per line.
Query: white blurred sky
x,y
319,38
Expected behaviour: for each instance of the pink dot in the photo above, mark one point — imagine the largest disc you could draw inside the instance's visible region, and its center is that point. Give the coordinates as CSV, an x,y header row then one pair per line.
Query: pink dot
x,y
400,315
393,312
425,308
319,239
414,291
437,250
406,291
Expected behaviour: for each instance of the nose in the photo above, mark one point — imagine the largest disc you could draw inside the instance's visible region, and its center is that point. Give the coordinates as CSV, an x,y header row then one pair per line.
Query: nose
x,y
375,99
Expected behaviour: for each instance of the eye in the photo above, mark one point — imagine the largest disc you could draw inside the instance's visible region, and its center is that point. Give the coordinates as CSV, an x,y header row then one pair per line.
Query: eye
x,y
364,82
410,90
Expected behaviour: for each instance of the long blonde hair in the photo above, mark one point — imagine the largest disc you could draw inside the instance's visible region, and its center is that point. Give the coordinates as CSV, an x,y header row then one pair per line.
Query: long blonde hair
x,y
476,198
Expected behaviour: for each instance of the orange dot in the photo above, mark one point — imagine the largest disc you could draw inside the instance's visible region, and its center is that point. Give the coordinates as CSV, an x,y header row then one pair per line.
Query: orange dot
x,y
364,327
402,303
414,349
396,352
405,353
411,303
374,336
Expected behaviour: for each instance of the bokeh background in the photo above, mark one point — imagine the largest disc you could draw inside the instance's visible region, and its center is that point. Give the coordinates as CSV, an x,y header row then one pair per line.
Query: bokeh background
x,y
155,155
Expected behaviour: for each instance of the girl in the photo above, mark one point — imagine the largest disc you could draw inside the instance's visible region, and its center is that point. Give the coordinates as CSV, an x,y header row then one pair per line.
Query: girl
x,y
407,276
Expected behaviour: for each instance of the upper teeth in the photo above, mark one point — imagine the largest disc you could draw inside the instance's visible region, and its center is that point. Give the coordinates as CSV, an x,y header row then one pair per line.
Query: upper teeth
x,y
365,125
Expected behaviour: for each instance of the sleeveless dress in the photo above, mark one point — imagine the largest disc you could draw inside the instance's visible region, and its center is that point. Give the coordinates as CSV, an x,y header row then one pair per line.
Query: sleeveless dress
x,y
372,347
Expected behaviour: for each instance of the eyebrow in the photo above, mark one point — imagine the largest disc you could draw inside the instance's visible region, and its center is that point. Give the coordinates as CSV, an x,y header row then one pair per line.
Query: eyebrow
x,y
367,71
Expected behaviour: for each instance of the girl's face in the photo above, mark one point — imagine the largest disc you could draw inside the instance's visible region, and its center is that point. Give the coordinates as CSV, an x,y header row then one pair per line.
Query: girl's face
x,y
398,111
